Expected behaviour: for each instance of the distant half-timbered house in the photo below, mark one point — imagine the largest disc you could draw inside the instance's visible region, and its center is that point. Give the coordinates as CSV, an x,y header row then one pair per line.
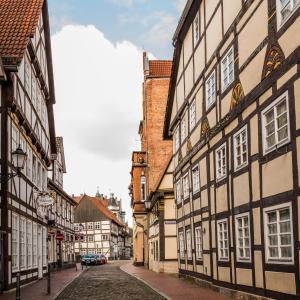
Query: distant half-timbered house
x,y
234,116
26,100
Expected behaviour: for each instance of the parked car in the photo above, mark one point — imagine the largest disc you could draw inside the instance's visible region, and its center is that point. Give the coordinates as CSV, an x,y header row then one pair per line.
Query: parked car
x,y
103,259
90,259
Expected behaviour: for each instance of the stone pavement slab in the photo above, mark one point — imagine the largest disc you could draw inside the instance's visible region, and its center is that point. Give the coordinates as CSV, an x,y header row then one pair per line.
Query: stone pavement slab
x,y
38,289
171,286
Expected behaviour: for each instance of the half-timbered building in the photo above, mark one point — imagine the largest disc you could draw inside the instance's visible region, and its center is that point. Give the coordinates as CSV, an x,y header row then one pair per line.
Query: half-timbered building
x,y
234,116
27,98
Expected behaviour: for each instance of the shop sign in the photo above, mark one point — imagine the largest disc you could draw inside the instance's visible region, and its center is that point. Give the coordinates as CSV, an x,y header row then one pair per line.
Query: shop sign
x,y
60,236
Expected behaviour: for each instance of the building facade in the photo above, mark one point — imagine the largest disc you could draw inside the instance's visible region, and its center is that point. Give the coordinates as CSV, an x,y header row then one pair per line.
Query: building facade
x,y
102,231
233,114
149,180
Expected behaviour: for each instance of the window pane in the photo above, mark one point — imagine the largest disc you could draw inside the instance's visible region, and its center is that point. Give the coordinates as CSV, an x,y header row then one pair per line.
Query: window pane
x,y
273,252
273,240
285,227
285,239
272,216
286,251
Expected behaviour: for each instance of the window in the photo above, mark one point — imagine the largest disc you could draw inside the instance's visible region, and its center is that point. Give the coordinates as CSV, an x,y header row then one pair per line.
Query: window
x,y
22,243
90,238
211,90
183,130
181,244
29,243
91,251
178,191
45,237
285,8
223,240
176,139
15,241
243,237
34,169
29,163
240,149
189,245
90,226
104,237
97,225
76,227
279,234
276,130
196,179
33,90
14,138
199,244
221,162
27,75
196,29
34,244
192,112
39,175
186,186
143,188
227,69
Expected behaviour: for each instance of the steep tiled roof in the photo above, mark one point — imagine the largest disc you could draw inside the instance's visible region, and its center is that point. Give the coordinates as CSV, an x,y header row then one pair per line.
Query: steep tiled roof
x,y
18,20
160,68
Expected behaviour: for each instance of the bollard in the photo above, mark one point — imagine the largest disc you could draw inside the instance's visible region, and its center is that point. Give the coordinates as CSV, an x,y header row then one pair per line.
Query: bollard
x,y
18,290
48,281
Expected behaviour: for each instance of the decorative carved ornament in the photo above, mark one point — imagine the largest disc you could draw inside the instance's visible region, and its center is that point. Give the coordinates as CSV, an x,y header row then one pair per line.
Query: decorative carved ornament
x,y
189,146
237,95
205,127
274,59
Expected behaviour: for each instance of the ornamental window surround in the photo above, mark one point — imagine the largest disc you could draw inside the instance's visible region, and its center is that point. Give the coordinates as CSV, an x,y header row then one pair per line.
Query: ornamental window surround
x,y
276,124
279,234
240,142
227,69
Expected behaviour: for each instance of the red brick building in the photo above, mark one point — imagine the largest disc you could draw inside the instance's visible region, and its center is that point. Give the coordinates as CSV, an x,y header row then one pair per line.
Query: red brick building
x,y
148,163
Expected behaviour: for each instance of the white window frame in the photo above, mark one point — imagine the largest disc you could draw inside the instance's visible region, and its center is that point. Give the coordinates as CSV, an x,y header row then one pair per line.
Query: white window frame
x,y
211,90
192,114
186,186
236,146
283,97
237,217
199,243
279,260
23,246
196,179
220,173
183,130
196,29
220,248
44,245
225,60
281,21
34,245
143,188
178,191
29,243
97,225
189,251
15,241
181,244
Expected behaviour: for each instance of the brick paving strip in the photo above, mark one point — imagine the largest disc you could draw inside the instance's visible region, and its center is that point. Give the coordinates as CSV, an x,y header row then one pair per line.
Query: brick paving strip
x,y
108,282
171,286
38,289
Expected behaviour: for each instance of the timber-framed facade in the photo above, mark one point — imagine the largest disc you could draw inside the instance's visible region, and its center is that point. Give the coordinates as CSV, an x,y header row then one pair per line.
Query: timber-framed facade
x,y
233,113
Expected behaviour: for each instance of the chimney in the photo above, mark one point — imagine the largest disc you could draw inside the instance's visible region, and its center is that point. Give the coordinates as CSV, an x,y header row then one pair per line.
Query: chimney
x,y
146,64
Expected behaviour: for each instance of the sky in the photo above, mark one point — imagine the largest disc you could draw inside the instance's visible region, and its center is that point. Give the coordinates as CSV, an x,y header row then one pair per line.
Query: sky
x,y
97,48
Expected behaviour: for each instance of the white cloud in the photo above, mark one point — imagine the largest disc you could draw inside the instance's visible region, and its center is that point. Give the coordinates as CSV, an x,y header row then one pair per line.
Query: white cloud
x,y
98,93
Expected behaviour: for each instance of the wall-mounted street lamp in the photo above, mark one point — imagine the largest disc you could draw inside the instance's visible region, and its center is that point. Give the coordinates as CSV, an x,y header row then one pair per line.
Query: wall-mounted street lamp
x,y
147,204
19,158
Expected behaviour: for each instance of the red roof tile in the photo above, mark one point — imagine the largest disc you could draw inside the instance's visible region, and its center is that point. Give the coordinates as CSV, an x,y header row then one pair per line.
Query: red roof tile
x,y
18,20
160,68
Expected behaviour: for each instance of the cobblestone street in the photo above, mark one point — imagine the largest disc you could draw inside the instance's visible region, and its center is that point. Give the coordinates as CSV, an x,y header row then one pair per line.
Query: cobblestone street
x,y
107,282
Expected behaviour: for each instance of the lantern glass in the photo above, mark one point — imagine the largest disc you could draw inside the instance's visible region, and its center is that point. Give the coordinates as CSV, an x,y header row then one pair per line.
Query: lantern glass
x,y
19,158
148,204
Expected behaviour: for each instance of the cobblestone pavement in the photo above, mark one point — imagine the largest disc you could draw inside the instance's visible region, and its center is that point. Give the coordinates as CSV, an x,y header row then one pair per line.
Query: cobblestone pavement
x,y
107,282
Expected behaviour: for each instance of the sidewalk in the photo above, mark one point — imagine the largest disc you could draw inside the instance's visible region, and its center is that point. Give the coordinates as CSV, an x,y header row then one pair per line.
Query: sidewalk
x,y
170,286
37,290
